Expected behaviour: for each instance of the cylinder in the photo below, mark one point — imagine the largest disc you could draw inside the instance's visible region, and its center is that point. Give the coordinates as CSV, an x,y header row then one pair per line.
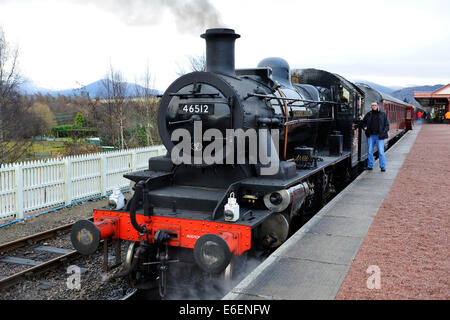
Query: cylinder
x,y
220,50
279,200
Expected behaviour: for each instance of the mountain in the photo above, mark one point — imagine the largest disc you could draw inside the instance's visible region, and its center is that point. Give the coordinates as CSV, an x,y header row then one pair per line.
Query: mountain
x,y
408,93
95,89
378,87
28,87
402,93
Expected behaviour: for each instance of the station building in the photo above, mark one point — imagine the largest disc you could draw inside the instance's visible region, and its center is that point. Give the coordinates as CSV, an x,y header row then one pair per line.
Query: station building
x,y
437,103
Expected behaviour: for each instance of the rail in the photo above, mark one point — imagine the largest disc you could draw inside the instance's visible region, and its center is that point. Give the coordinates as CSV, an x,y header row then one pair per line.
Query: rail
x,y
9,281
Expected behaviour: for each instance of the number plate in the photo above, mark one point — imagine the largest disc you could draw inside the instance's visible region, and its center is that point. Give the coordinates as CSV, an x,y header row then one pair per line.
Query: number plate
x,y
201,108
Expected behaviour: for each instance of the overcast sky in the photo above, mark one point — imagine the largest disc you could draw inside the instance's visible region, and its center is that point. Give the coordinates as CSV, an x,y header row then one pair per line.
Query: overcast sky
x,y
64,43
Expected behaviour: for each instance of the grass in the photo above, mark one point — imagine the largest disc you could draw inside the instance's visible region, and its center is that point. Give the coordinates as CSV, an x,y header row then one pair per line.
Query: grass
x,y
40,150
48,147
52,149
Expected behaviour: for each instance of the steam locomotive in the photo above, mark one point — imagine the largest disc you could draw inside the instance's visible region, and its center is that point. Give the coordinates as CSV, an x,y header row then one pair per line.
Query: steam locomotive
x,y
251,155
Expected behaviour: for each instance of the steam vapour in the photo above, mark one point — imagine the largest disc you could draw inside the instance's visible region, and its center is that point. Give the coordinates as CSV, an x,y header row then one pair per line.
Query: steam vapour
x,y
192,16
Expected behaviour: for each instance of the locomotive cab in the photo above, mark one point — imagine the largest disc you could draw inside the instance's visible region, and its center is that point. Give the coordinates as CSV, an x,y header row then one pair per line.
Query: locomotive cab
x,y
338,117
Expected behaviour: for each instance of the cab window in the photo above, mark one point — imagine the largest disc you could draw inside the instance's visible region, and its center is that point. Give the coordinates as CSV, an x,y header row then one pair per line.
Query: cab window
x,y
344,98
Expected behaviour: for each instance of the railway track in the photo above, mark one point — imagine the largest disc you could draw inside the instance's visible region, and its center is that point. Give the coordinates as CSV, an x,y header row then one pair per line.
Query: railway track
x,y
37,267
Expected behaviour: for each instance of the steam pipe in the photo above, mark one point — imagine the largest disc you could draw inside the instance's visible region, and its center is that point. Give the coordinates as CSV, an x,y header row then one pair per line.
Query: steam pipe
x,y
137,195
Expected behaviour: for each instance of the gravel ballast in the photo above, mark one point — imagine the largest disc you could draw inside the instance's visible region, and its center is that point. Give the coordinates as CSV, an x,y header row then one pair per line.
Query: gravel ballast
x,y
53,285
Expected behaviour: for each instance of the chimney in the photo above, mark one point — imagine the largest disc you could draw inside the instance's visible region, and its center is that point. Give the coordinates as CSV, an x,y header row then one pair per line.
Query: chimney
x,y
220,50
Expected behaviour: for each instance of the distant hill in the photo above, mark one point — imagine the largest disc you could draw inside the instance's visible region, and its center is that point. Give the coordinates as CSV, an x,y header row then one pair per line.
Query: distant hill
x,y
378,87
408,93
28,87
95,89
402,93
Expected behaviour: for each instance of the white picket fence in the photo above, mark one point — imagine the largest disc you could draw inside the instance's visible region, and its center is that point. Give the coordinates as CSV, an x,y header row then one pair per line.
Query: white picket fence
x,y
35,185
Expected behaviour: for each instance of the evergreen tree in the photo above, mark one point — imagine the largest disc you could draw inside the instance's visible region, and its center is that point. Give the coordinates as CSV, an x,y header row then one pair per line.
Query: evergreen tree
x,y
79,120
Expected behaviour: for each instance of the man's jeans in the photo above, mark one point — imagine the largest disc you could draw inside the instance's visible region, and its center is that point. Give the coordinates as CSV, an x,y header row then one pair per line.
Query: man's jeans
x,y
371,141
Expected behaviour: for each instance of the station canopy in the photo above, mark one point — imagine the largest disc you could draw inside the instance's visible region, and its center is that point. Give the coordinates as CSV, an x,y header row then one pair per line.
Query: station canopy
x,y
437,99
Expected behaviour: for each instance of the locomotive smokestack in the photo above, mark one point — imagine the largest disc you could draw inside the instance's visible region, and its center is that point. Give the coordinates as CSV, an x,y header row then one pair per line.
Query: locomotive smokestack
x,y
220,50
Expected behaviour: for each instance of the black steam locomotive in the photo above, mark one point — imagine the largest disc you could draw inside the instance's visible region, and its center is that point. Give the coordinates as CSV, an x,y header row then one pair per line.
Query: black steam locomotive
x,y
252,153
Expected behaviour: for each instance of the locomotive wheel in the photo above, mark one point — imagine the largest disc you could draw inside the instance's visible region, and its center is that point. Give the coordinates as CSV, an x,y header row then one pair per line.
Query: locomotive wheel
x,y
129,257
139,277
127,264
274,231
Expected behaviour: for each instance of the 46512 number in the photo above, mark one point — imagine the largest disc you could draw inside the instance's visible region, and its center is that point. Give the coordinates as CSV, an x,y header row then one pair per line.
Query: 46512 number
x,y
201,108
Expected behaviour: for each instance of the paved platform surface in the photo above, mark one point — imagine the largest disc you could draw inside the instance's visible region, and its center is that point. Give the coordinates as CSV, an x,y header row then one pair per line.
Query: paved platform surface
x,y
314,262
408,241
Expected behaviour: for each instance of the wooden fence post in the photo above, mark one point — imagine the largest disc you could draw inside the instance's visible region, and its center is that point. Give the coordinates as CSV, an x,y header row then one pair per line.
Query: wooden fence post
x,y
18,191
103,173
68,181
133,164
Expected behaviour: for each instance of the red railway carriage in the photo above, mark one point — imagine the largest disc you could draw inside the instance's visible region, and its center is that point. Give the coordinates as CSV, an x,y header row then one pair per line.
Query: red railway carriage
x,y
409,118
397,113
400,114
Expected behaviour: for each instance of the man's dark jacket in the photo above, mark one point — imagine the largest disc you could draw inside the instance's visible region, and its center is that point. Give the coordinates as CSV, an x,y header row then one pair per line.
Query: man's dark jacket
x,y
382,121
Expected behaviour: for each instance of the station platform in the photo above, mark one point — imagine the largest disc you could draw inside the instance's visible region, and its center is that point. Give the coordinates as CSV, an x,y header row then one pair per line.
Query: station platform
x,y
317,259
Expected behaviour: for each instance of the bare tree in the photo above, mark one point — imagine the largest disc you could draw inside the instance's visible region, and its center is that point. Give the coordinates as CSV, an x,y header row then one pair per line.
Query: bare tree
x,y
195,63
115,89
147,105
16,123
91,107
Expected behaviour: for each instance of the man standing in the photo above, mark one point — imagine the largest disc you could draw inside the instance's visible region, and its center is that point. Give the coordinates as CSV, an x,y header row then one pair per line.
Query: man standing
x,y
376,126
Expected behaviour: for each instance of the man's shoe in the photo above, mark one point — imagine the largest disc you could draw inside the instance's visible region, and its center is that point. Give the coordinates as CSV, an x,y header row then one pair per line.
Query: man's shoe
x,y
369,168
383,169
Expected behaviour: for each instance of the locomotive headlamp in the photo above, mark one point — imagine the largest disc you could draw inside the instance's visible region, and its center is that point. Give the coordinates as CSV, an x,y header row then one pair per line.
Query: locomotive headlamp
x,y
116,200
231,209
212,253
